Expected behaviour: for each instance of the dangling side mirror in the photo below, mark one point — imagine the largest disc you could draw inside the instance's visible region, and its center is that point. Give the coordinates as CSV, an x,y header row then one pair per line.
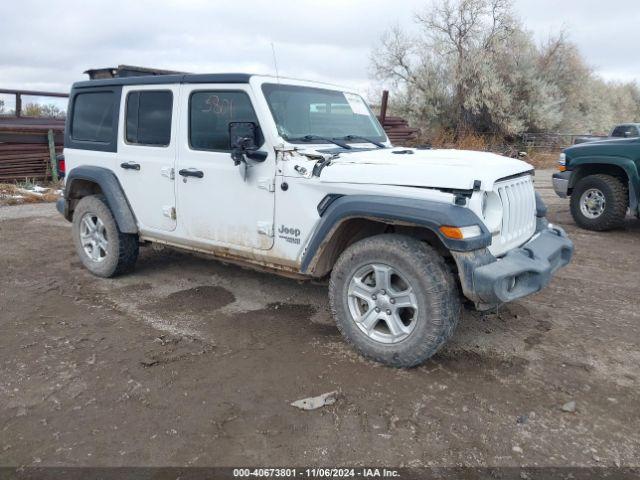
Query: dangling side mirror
x,y
243,139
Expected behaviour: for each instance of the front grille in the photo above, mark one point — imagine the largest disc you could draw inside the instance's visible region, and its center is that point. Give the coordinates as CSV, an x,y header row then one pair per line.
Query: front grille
x,y
518,212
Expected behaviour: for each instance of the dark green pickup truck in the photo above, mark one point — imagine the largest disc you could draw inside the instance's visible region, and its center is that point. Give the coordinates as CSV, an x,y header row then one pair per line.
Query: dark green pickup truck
x,y
602,179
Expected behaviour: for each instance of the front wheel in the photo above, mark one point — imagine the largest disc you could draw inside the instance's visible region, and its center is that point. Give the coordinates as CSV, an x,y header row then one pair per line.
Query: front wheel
x,y
599,202
394,299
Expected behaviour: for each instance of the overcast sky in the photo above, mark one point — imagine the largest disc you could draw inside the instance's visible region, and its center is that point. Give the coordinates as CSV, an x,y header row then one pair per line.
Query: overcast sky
x,y
47,45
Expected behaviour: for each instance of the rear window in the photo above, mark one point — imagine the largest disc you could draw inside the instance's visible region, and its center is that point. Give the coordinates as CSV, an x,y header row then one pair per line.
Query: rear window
x,y
618,132
149,117
93,117
625,131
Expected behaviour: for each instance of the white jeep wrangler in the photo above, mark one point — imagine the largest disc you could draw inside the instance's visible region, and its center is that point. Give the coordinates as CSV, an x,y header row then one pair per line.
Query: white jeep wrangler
x,y
299,178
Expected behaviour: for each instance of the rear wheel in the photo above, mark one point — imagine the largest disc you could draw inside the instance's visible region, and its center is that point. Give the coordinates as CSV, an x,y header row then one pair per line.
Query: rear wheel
x,y
103,249
394,299
599,202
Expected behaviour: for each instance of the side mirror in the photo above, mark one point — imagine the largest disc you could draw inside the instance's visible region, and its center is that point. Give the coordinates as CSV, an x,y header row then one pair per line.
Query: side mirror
x,y
243,140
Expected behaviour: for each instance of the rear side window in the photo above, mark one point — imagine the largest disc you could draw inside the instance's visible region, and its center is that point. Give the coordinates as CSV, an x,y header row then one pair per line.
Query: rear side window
x,y
148,117
210,113
93,117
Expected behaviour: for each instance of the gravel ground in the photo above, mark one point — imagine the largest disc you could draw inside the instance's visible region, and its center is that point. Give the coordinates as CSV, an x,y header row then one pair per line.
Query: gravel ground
x,y
188,361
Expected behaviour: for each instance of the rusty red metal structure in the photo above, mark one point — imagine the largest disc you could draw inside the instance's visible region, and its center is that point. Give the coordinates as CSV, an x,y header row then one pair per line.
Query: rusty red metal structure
x,y
25,150
397,128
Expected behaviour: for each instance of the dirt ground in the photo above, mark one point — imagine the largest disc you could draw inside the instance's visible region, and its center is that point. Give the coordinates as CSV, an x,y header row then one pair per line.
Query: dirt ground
x,y
189,361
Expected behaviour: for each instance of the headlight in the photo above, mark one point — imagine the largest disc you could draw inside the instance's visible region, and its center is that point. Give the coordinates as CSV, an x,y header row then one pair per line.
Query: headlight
x,y
461,233
562,162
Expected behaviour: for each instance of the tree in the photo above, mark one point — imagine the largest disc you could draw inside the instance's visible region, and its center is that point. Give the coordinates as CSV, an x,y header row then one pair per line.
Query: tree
x,y
48,110
472,66
450,66
466,34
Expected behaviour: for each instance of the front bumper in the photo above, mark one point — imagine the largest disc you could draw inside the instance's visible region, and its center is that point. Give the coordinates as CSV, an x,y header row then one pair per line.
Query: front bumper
x,y
523,271
561,183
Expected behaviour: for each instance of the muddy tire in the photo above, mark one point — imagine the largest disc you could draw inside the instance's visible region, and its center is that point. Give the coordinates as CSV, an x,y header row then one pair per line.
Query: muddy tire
x,y
103,249
394,299
599,202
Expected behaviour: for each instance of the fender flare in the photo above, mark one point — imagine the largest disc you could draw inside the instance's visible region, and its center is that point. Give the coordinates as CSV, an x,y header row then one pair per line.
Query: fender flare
x,y
112,190
392,210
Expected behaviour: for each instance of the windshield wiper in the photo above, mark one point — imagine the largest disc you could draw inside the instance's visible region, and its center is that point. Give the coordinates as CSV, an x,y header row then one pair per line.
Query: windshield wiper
x,y
311,138
350,138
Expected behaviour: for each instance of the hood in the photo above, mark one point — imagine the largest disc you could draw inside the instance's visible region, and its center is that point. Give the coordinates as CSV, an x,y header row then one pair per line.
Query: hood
x,y
601,143
451,169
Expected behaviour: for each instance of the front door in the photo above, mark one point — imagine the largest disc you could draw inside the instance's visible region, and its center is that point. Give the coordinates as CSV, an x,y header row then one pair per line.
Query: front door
x,y
146,153
216,205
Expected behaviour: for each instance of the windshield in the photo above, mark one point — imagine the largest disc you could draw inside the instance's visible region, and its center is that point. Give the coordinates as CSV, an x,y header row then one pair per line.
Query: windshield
x,y
301,112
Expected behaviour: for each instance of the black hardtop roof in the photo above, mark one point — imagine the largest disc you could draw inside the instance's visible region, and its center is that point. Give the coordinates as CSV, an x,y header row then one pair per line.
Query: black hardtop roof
x,y
167,79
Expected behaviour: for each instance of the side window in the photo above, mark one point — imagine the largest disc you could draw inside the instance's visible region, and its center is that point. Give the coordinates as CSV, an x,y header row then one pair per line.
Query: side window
x,y
618,132
92,119
210,113
148,117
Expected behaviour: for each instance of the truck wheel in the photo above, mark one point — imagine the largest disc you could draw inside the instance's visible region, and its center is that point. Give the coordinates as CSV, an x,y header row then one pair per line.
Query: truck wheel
x,y
599,202
104,250
394,299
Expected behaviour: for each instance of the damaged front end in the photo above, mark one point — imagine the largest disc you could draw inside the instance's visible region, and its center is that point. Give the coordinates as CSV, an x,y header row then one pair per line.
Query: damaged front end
x,y
489,281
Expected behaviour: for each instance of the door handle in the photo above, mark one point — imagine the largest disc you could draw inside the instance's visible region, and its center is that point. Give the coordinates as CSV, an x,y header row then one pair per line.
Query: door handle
x,y
191,172
130,166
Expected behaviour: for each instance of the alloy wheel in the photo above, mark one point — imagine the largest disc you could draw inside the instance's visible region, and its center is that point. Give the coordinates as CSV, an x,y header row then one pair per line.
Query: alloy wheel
x,y
592,203
382,303
93,237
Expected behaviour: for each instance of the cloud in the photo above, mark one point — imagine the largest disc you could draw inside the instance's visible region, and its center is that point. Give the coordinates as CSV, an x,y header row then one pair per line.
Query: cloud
x,y
605,33
47,46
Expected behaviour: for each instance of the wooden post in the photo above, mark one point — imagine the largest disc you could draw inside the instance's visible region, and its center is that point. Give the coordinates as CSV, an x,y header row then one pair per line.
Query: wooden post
x,y
52,156
383,105
18,105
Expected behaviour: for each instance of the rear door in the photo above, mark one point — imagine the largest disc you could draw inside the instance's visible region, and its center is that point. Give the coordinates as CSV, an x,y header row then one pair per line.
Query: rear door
x,y
146,153
218,206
